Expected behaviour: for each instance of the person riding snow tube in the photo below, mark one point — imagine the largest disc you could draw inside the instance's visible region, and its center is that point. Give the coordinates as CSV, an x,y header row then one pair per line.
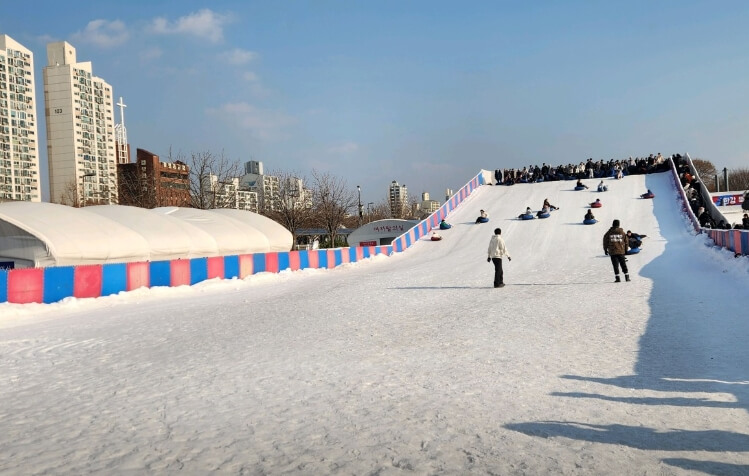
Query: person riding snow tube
x,y
632,251
590,221
544,214
648,194
596,204
444,225
435,236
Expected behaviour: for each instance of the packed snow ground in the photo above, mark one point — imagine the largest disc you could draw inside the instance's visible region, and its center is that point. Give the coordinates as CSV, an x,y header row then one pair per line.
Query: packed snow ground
x,y
411,363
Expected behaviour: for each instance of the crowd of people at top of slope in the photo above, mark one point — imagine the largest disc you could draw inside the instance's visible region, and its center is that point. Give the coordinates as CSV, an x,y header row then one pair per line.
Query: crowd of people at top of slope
x,y
588,169
697,203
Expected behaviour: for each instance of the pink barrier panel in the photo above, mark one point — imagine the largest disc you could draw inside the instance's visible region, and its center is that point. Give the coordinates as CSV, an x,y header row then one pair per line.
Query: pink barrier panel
x,y
345,255
246,266
271,262
331,258
26,285
215,265
294,262
737,242
179,272
87,281
314,258
359,253
138,276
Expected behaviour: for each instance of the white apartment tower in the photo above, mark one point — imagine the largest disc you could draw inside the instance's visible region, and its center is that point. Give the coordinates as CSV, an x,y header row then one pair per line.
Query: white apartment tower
x,y
80,130
398,199
19,157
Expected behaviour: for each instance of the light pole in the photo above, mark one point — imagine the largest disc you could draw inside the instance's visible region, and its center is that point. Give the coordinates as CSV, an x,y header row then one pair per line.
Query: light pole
x,y
358,188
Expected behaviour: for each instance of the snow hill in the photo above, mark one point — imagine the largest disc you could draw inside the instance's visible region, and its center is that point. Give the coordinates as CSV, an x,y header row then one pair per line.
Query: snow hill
x,y
412,363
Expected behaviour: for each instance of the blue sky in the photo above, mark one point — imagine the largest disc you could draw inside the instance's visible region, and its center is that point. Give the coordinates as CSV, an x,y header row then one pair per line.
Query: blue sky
x,y
422,92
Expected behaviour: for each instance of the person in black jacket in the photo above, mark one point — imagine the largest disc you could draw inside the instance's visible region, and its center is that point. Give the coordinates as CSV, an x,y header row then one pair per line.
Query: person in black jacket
x,y
615,246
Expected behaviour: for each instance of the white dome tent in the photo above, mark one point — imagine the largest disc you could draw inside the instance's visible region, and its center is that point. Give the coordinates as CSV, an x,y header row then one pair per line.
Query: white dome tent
x,y
45,234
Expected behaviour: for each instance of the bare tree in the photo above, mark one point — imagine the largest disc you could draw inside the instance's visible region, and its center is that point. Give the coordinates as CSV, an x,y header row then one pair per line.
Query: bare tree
x,y
333,201
136,189
379,211
213,179
70,195
293,205
738,179
707,172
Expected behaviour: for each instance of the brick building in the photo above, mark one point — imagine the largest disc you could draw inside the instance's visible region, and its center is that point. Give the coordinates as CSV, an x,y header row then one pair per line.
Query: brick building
x,y
150,183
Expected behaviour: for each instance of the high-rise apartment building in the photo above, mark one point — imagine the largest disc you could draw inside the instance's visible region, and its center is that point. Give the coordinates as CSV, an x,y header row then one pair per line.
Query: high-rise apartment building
x,y
267,187
80,130
253,167
19,156
398,199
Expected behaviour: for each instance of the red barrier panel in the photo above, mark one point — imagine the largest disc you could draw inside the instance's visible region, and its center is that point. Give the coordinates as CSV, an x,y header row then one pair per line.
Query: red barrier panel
x,y
331,258
294,260
271,262
26,285
179,272
737,242
313,258
138,276
215,265
87,281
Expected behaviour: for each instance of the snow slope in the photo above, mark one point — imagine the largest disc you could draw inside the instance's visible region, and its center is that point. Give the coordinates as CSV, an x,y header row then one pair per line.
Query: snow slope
x,y
410,363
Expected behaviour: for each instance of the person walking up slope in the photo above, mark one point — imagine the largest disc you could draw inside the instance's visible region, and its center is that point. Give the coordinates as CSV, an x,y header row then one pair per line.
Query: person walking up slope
x,y
498,250
615,246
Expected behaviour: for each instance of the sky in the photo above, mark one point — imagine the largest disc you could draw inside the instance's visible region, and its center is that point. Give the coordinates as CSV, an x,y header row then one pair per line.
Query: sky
x,y
406,363
423,92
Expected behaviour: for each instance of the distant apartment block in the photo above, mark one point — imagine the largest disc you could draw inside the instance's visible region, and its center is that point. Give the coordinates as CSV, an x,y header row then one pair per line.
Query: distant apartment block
x,y
267,187
150,183
19,156
398,199
80,130
228,193
428,206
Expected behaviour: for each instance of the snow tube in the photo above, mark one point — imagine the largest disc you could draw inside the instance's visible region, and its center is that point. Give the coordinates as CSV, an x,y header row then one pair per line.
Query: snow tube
x,y
591,221
604,189
435,238
579,188
544,215
527,216
446,226
482,220
596,205
648,195
632,251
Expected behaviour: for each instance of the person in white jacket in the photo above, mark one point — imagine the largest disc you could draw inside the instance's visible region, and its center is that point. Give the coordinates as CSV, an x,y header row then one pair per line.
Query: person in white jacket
x,y
497,251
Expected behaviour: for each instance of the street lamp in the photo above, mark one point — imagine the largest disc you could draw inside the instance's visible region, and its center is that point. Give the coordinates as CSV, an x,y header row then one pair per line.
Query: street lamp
x,y
358,188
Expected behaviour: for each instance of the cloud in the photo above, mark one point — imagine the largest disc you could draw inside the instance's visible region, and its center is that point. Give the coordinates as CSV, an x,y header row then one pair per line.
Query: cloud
x,y
250,76
344,149
151,54
205,24
238,56
103,33
263,124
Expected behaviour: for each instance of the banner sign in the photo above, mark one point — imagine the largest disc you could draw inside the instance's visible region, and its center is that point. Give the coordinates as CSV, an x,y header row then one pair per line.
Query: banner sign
x,y
727,200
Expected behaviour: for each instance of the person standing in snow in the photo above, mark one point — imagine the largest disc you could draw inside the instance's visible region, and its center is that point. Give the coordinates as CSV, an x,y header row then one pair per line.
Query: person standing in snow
x,y
498,250
615,246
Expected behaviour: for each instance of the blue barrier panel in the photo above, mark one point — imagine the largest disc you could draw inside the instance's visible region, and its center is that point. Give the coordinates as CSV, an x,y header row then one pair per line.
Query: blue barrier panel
x,y
352,255
303,259
745,243
283,260
3,285
113,278
258,263
408,240
58,283
322,260
160,272
365,252
399,245
338,256
198,270
231,267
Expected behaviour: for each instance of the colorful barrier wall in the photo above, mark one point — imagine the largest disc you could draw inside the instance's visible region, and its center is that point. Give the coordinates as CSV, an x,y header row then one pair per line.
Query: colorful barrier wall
x,y
734,240
47,285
